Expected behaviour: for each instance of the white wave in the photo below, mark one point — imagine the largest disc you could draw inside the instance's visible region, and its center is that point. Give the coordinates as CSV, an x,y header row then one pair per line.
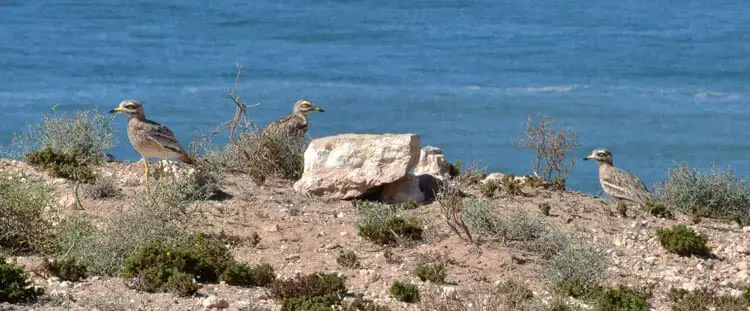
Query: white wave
x,y
553,89
711,94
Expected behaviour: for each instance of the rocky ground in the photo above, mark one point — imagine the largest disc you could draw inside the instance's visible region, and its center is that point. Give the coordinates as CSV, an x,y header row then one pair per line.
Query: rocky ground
x,y
305,235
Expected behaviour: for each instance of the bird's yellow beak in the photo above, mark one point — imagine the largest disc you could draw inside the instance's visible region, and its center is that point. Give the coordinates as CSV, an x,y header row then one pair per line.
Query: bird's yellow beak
x,y
588,157
117,109
318,109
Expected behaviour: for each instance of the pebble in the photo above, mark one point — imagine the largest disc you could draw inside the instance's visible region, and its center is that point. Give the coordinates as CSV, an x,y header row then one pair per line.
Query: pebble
x,y
213,302
242,305
274,228
746,229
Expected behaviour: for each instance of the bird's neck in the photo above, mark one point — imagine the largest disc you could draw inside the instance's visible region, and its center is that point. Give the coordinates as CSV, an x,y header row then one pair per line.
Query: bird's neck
x,y
604,164
139,117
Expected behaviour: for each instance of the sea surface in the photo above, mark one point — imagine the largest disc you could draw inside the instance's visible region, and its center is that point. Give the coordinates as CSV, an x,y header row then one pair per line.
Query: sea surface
x,y
657,82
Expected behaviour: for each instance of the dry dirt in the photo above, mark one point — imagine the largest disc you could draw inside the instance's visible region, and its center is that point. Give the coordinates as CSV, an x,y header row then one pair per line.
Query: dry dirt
x,y
305,235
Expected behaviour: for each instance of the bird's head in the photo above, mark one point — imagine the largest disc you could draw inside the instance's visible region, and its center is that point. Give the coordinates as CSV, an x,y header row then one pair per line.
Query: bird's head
x,y
304,106
130,107
600,155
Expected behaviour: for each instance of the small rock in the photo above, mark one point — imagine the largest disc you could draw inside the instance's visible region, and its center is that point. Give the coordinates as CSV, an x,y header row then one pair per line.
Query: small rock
x,y
242,305
340,215
65,284
292,257
213,302
274,228
746,229
650,260
343,233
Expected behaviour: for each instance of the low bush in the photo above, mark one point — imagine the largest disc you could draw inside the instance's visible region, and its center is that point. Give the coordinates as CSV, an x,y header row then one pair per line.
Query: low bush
x,y
577,269
381,224
242,275
28,207
508,295
552,144
348,260
85,134
67,269
620,298
705,299
155,264
14,287
682,240
64,165
404,292
317,290
102,188
658,210
433,272
714,194
478,216
361,304
545,208
489,188
511,185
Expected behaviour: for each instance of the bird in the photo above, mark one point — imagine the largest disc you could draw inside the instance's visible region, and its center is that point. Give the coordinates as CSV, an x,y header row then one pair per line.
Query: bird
x,y
294,125
149,138
616,182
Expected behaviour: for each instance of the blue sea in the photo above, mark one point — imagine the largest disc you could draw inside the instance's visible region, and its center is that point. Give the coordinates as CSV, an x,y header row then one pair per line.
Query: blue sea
x,y
657,82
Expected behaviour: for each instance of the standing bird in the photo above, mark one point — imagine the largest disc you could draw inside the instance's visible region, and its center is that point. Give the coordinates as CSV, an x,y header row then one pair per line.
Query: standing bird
x,y
294,125
618,183
150,139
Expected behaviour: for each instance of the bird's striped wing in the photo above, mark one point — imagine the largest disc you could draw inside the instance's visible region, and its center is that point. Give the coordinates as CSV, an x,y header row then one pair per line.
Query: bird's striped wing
x,y
163,136
624,185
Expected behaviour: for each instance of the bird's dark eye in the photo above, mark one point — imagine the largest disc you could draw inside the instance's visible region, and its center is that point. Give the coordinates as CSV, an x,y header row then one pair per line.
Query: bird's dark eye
x,y
601,154
129,107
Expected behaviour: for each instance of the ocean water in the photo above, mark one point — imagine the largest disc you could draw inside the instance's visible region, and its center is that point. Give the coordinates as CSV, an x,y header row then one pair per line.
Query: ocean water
x,y
656,82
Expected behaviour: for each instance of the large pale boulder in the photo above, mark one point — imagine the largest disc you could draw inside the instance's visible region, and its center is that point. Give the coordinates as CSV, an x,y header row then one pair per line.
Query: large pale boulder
x,y
348,166
432,162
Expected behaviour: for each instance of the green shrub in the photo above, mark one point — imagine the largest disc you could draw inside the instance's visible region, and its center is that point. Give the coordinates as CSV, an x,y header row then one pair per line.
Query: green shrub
x,y
511,185
305,304
242,275
714,194
348,260
14,288
199,257
63,165
86,134
658,210
28,207
326,286
454,169
489,188
67,269
704,300
620,298
181,284
263,156
433,272
682,240
521,227
361,304
102,188
404,292
577,269
478,216
380,223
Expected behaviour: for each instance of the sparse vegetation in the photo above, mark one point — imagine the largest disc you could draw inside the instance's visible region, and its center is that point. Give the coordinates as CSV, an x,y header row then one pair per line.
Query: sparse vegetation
x,y
102,188
64,165
27,208
381,224
242,275
404,292
577,269
450,200
14,287
714,194
324,289
658,210
434,272
508,295
551,143
545,208
86,134
478,216
682,240
67,269
512,186
489,188
705,299
361,304
620,298
348,260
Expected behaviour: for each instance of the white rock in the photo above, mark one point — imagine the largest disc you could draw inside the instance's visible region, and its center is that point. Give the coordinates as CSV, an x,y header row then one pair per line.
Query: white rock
x,y
242,305
213,302
432,162
494,177
404,190
347,166
273,228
